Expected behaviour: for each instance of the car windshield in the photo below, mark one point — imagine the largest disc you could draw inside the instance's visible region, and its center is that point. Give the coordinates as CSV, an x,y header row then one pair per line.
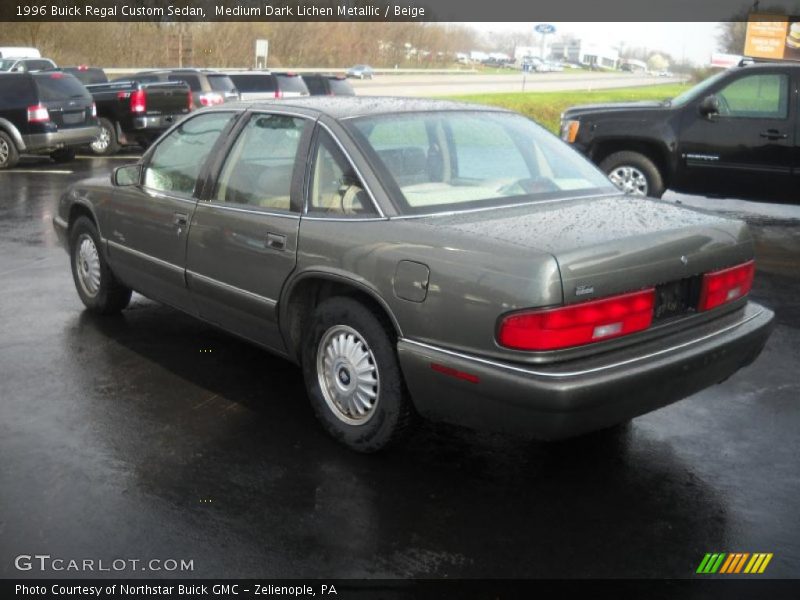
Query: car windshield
x,y
456,160
697,90
7,63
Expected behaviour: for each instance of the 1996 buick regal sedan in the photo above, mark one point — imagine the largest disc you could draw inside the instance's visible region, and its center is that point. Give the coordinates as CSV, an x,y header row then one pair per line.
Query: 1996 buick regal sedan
x,y
420,257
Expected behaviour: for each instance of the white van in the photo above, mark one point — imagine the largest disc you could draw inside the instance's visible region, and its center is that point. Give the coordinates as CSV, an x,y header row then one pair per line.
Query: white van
x,y
19,52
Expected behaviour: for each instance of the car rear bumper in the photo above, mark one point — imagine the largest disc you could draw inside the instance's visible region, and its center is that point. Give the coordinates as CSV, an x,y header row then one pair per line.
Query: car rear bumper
x,y
63,138
156,123
570,398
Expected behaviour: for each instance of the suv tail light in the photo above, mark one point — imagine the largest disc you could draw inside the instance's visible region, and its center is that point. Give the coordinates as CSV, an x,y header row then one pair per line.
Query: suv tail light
x,y
726,285
278,94
138,101
211,98
189,101
578,324
38,114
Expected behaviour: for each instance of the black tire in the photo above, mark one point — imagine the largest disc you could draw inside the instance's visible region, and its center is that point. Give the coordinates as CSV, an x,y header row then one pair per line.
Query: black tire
x,y
106,146
391,415
618,161
9,155
63,155
108,296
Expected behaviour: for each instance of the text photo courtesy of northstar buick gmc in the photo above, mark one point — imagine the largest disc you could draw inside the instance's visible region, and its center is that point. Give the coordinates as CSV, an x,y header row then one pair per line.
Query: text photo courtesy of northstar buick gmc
x,y
423,258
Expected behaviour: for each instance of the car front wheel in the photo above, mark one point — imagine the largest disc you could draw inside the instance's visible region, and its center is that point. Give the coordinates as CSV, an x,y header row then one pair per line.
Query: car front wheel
x,y
97,287
634,174
353,377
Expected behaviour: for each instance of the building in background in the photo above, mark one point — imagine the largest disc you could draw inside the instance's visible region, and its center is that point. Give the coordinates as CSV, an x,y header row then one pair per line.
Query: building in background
x,y
585,53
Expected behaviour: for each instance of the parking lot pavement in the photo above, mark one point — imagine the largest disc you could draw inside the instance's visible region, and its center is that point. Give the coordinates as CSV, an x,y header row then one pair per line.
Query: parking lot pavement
x,y
152,435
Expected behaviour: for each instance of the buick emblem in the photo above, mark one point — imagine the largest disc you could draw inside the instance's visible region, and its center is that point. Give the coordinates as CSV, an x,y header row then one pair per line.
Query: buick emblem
x,y
684,260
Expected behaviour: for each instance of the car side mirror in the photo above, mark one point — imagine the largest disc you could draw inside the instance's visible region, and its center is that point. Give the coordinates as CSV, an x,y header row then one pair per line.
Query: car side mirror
x,y
127,175
709,106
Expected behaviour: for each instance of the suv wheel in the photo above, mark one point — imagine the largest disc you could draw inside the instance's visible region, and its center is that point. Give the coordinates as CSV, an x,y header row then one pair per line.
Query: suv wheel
x,y
97,287
106,144
9,157
634,174
353,377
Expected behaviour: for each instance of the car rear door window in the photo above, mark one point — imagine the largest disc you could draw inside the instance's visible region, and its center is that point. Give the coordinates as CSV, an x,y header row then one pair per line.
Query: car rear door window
x,y
192,80
261,164
292,83
177,160
315,85
756,96
221,83
336,190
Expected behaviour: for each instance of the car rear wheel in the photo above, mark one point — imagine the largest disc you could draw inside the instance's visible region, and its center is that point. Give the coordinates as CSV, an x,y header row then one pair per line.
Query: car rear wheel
x,y
634,174
63,155
9,157
97,287
353,377
106,143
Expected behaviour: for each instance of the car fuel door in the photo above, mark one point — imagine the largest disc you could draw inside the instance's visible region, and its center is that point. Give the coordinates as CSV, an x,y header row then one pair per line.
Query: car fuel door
x,y
243,238
740,139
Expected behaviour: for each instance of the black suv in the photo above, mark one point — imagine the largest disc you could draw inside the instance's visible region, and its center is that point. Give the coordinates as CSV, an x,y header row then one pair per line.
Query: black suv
x,y
735,134
328,85
265,85
208,87
44,113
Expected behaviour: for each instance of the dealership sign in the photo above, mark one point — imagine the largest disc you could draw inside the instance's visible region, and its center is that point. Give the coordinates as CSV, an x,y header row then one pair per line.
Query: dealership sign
x,y
775,37
544,28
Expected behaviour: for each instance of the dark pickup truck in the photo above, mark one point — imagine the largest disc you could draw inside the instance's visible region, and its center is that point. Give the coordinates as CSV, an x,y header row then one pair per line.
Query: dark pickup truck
x,y
135,113
735,134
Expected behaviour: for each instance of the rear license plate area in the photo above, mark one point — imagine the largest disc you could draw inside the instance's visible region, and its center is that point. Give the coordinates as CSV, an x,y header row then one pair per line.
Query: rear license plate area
x,y
73,118
676,298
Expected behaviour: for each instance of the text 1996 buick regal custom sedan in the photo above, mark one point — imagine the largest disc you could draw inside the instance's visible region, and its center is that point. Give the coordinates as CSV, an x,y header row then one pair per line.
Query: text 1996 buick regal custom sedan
x,y
420,257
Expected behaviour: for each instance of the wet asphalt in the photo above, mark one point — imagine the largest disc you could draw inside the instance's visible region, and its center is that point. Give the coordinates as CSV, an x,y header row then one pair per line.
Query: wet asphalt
x,y
153,435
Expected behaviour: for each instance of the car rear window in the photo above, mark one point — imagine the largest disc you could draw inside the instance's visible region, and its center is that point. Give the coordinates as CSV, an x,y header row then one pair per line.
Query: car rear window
x,y
291,83
16,91
192,80
58,86
315,84
88,76
221,83
340,87
253,82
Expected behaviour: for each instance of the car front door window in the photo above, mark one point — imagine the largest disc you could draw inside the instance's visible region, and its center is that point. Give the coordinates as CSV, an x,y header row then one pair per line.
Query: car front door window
x,y
176,163
756,96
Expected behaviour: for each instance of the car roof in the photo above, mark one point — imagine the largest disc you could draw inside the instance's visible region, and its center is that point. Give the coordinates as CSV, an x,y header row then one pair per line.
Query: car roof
x,y
342,107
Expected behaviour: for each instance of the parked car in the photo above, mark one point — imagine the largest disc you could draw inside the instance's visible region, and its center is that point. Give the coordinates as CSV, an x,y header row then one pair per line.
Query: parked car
x,y
87,75
266,85
421,257
328,85
208,87
44,113
135,113
25,65
734,134
360,72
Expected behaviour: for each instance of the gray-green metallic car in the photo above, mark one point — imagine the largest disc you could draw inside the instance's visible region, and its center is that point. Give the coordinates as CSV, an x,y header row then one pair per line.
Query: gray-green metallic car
x,y
428,258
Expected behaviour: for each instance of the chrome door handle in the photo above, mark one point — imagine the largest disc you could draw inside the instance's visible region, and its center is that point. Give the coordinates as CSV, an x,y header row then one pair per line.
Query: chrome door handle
x,y
276,241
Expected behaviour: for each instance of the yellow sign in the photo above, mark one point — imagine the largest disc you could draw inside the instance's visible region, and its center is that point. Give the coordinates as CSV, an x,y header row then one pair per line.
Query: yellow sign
x,y
773,37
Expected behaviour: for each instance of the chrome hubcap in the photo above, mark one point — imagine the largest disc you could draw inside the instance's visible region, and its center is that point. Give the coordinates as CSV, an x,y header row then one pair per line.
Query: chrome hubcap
x,y
102,141
629,179
87,263
4,151
348,375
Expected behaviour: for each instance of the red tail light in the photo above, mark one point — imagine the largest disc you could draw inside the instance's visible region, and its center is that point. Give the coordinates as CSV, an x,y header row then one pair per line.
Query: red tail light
x,y
138,101
578,324
278,94
38,114
190,101
211,98
727,285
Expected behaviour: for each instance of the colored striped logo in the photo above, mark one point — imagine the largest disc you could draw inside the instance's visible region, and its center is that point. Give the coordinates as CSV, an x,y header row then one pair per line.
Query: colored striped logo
x,y
735,562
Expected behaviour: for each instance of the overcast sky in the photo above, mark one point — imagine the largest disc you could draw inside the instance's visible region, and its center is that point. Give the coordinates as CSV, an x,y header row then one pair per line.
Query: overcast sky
x,y
695,41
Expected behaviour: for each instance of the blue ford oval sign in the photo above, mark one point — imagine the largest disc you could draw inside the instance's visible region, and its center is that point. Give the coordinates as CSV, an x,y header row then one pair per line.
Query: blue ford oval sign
x,y
545,28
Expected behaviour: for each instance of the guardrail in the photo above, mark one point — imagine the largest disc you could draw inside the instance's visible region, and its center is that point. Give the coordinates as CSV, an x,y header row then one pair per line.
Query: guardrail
x,y
465,71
